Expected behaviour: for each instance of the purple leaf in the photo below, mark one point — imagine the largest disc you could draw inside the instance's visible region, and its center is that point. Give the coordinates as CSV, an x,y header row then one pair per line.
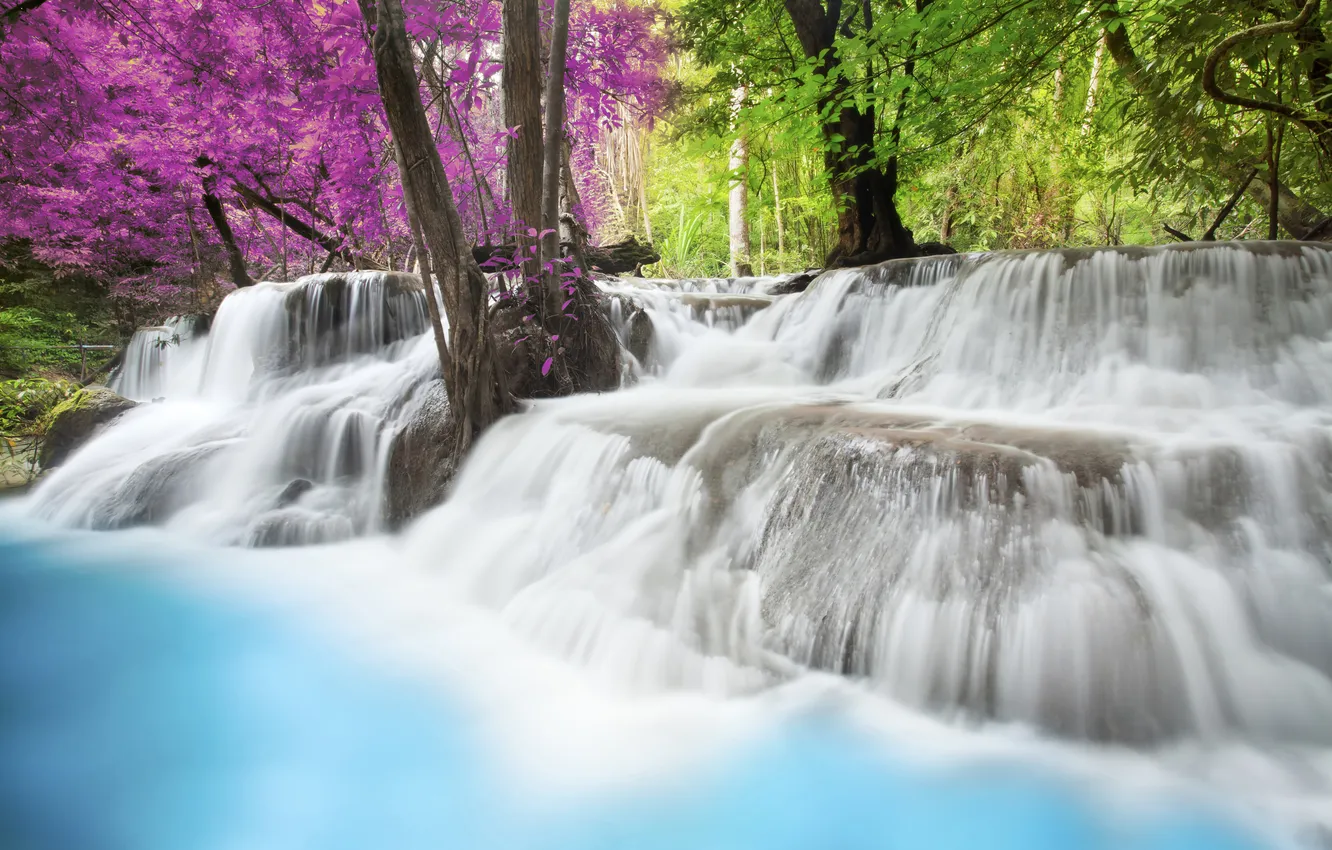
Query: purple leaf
x,y
545,367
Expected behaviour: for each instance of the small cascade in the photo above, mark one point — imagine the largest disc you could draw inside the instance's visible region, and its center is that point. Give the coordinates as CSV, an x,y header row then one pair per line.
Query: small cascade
x,y
158,359
658,319
276,330
274,428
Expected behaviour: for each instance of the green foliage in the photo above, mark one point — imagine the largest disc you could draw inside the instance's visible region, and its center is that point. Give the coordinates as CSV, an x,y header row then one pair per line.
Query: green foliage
x,y
25,403
1010,124
43,317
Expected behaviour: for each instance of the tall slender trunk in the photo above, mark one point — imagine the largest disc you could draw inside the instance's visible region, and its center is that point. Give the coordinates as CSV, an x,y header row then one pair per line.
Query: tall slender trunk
x,y
218,213
476,390
1092,84
550,189
739,194
777,210
427,277
946,223
642,183
522,114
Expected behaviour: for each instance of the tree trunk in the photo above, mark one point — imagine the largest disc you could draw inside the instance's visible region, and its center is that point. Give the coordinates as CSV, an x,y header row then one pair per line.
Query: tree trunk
x,y
427,278
869,228
218,213
550,188
1090,107
739,194
522,114
477,393
642,182
777,210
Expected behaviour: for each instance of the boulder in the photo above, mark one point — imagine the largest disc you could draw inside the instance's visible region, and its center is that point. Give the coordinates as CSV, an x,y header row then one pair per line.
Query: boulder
x,y
640,334
420,458
72,422
794,283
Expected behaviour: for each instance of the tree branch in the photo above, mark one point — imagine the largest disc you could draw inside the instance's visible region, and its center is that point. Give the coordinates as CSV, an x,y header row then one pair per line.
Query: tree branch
x,y
19,8
334,245
1317,127
1210,235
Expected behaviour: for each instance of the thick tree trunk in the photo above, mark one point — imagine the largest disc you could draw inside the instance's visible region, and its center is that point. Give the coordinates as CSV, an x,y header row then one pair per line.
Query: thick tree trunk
x,y
477,394
218,213
1297,217
869,228
739,195
522,114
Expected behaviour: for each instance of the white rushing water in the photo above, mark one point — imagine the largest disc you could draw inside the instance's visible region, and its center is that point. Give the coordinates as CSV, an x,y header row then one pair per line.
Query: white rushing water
x,y
1084,493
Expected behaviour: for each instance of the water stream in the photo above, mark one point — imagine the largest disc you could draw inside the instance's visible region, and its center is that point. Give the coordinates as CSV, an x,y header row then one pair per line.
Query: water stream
x,y
1065,512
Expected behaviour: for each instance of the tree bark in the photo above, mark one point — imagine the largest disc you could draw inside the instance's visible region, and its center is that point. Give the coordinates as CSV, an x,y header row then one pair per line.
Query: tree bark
x,y
869,228
522,115
218,213
550,188
739,194
476,391
642,182
427,278
1089,109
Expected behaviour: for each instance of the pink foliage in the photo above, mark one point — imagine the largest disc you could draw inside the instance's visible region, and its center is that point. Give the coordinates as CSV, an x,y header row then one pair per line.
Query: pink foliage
x,y
113,114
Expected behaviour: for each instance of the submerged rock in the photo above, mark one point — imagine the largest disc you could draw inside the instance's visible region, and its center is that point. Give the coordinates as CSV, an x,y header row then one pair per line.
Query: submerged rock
x,y
293,491
420,459
74,420
157,490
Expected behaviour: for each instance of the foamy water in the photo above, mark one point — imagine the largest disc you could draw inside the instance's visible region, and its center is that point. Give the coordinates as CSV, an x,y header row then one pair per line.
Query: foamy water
x,y
1054,520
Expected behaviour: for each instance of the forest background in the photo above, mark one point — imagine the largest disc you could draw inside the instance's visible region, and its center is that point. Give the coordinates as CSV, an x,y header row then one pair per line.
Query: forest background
x,y
156,153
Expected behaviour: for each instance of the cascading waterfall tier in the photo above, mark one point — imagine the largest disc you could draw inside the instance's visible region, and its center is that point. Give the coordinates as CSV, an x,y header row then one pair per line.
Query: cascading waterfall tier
x,y
1086,491
275,424
153,358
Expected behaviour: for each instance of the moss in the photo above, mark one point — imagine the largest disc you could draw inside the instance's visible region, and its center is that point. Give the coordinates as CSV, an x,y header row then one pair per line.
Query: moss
x,y
74,420
81,400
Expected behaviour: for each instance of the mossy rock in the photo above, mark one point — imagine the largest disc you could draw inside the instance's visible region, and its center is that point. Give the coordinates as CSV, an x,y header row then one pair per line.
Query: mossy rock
x,y
72,422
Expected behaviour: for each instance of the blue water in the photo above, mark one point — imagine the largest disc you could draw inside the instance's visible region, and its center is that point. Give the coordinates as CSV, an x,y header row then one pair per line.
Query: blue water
x,y
140,714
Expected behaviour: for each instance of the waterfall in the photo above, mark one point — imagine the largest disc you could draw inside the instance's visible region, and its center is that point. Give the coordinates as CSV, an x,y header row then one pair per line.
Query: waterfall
x,y
1085,493
275,433
155,356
